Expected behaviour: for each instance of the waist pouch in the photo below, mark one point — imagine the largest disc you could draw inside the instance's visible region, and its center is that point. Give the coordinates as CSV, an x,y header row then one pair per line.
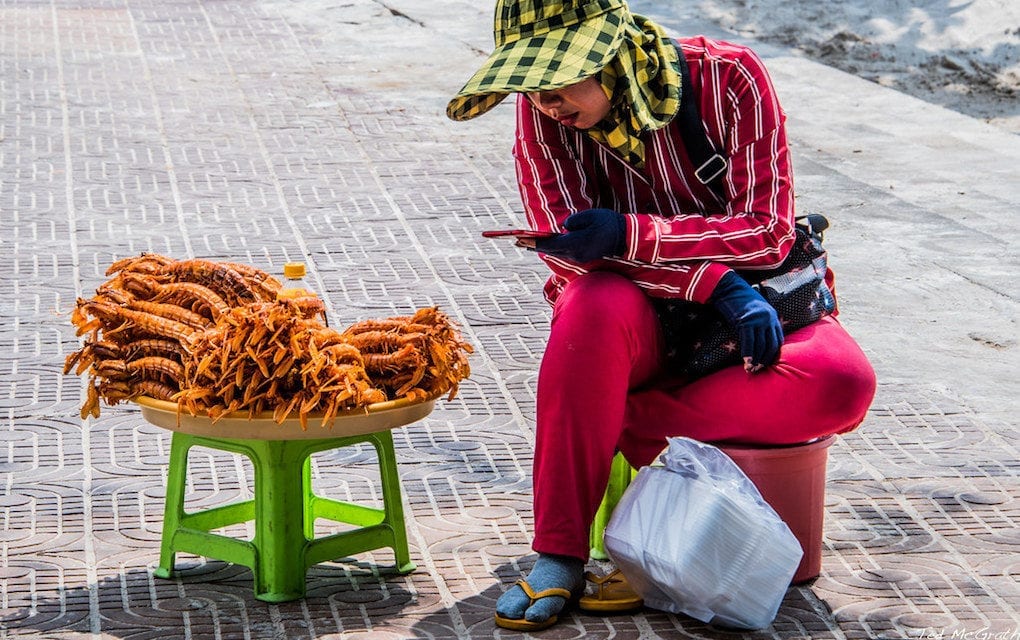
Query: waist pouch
x,y
699,341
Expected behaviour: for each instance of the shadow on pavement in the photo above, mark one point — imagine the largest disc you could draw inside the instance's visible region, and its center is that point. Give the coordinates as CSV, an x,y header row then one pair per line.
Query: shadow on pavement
x,y
209,600
472,617
344,600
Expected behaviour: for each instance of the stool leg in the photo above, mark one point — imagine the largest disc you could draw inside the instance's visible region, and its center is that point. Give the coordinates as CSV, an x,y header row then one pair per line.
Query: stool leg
x,y
306,486
392,503
280,565
173,510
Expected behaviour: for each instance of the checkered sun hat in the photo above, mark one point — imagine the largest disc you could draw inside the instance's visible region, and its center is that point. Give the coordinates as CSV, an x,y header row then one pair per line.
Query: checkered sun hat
x,y
542,45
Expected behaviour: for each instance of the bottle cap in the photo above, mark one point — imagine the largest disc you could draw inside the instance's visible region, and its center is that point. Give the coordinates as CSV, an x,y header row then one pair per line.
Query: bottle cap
x,y
294,270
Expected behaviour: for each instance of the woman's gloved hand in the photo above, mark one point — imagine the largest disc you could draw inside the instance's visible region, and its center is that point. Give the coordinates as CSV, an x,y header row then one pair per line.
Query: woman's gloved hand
x,y
591,234
758,328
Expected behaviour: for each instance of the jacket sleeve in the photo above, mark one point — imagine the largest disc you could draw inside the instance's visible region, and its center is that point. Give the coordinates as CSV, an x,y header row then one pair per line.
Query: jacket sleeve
x,y
554,183
755,231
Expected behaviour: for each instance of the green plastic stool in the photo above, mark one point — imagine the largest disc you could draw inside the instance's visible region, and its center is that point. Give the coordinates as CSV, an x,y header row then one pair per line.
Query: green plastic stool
x,y
620,475
284,510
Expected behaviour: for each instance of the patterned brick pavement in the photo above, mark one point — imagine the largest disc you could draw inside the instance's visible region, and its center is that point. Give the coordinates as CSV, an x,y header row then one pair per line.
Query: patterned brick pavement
x,y
276,130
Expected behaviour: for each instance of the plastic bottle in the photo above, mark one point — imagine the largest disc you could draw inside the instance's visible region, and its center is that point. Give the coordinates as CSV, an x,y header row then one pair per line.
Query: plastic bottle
x,y
294,285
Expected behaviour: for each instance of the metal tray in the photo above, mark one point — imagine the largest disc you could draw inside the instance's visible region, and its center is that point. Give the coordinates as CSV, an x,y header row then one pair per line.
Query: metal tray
x,y
380,416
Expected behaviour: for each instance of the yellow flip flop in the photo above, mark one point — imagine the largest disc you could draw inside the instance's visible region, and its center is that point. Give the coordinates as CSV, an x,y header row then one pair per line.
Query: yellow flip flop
x,y
520,624
613,594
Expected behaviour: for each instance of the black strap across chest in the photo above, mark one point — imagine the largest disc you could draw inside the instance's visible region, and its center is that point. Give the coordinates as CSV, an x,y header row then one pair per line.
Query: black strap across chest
x,y
710,166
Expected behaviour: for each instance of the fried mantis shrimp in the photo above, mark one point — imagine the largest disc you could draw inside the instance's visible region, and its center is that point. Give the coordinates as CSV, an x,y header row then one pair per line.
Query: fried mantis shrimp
x,y
217,338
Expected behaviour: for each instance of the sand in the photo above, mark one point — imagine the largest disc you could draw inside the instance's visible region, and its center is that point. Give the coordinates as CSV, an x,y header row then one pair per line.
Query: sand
x,y
961,54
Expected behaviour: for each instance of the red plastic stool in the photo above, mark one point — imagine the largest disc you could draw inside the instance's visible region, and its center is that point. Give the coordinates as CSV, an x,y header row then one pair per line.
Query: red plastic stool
x,y
792,480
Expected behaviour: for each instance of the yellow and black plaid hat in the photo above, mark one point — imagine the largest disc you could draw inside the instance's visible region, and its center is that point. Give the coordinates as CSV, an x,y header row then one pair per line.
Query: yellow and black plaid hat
x,y
542,45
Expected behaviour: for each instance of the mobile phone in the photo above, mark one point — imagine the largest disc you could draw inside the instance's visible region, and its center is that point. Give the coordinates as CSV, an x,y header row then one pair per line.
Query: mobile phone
x,y
518,233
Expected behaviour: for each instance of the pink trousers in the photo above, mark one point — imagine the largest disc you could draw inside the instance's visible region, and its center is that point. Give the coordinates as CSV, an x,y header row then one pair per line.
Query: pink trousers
x,y
602,389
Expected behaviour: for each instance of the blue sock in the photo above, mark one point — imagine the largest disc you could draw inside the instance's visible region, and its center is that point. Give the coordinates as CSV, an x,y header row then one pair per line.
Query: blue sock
x,y
549,571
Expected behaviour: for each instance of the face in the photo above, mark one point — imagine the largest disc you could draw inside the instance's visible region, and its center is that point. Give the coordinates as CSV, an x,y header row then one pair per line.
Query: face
x,y
580,105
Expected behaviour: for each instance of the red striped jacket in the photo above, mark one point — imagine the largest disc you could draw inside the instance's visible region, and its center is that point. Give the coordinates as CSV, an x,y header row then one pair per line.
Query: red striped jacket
x,y
681,238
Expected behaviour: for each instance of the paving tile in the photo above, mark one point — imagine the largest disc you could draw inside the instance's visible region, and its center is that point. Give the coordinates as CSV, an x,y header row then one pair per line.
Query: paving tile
x,y
272,131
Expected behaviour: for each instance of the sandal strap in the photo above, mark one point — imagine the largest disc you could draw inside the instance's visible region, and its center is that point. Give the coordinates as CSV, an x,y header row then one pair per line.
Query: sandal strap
x,y
601,582
545,593
613,576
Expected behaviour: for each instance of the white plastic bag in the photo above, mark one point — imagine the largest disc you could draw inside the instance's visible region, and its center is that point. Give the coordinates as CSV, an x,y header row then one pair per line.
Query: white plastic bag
x,y
696,537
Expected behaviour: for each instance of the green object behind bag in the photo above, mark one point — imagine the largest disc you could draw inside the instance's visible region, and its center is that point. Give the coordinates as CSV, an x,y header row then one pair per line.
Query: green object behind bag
x,y
620,476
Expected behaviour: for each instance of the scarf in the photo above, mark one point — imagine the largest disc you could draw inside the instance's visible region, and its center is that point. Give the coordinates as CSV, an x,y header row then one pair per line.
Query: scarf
x,y
643,86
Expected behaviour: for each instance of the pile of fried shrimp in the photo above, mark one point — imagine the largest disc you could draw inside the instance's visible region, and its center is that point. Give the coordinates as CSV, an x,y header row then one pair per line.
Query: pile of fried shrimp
x,y
219,338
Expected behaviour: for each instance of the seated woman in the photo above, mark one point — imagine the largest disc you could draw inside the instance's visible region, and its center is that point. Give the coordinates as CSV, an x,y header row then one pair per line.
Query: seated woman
x,y
600,160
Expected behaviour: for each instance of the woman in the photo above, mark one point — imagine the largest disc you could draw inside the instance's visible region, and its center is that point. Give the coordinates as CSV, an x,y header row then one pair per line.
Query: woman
x,y
599,158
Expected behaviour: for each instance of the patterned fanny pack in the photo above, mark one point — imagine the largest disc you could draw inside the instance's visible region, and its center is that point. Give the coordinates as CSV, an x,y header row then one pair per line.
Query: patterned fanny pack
x,y
699,341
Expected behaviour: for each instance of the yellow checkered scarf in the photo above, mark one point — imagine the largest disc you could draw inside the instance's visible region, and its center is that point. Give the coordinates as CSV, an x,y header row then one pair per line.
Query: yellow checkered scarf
x,y
643,82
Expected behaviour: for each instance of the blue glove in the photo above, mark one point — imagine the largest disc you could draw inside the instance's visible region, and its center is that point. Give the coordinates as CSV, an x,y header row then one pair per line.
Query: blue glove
x,y
757,324
591,234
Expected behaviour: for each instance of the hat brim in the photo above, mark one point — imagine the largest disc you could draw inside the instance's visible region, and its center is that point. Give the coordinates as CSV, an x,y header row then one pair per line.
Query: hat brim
x,y
547,61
